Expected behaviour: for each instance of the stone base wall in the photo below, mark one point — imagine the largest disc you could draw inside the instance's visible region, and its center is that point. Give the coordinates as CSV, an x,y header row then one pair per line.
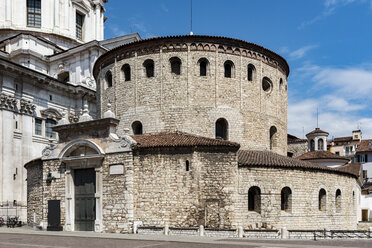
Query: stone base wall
x,y
117,193
167,194
297,149
305,187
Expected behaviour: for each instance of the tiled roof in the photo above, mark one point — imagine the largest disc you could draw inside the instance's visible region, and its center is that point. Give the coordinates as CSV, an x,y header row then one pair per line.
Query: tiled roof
x,y
291,139
364,147
343,139
270,159
317,130
321,155
179,139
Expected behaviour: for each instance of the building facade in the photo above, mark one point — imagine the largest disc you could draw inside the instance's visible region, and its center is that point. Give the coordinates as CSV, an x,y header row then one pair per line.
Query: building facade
x,y
47,53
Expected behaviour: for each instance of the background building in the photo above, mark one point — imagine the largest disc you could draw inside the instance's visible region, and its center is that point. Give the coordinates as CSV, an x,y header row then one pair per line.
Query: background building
x,y
47,53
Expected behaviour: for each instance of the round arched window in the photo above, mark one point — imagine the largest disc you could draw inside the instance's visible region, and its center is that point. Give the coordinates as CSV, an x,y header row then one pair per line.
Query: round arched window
x,y
267,85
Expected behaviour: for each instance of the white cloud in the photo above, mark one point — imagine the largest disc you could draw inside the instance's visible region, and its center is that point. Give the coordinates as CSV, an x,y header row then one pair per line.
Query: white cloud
x,y
116,30
329,8
342,96
164,7
301,52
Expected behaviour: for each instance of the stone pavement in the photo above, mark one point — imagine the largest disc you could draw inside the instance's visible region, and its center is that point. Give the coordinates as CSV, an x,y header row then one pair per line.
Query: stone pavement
x,y
26,237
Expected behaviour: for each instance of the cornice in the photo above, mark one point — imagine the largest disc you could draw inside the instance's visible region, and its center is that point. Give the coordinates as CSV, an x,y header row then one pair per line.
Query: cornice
x,y
195,43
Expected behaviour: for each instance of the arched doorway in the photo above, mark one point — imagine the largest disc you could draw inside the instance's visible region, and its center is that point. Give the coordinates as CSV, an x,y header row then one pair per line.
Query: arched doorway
x,y
83,161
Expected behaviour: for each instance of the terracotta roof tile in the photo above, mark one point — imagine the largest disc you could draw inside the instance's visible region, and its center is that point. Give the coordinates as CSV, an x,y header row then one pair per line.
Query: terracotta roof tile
x,y
179,139
291,139
343,139
365,146
270,159
321,155
317,130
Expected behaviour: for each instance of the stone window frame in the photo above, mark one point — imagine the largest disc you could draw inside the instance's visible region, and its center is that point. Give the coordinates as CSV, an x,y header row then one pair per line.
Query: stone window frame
x,y
224,129
228,64
108,79
48,114
286,201
137,125
251,72
338,200
148,71
267,85
175,66
33,13
273,134
322,200
207,67
127,72
254,199
79,25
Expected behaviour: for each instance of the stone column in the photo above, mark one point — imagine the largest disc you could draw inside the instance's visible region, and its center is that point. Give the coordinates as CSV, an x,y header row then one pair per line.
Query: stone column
x,y
68,201
316,143
98,196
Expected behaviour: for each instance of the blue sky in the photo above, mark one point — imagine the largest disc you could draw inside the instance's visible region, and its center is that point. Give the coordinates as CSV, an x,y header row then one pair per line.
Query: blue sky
x,y
327,43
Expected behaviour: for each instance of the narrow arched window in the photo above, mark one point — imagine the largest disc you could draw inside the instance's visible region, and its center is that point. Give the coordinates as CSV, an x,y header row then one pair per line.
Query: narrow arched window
x,y
267,85
64,77
322,200
280,83
108,78
175,65
149,67
222,129
254,199
312,145
137,128
203,65
338,201
320,144
187,165
126,71
273,137
286,199
229,69
251,71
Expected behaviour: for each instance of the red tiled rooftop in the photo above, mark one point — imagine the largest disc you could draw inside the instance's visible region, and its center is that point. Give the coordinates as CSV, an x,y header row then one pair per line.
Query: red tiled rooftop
x,y
365,146
321,155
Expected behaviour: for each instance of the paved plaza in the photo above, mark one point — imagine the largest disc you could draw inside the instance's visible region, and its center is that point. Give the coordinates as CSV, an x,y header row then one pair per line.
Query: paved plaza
x,y
24,237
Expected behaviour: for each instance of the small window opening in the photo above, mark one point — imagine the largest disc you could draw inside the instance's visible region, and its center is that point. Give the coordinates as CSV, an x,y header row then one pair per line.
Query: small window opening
x,y
320,144
34,13
251,70
187,165
273,137
50,98
203,64
16,124
79,26
49,124
108,78
229,66
286,199
254,199
312,145
338,201
322,200
266,84
38,126
175,65
126,71
281,83
137,128
16,87
222,129
149,67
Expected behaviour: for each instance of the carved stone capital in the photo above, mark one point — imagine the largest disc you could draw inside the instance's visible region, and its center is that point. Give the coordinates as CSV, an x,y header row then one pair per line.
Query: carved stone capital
x,y
8,102
27,107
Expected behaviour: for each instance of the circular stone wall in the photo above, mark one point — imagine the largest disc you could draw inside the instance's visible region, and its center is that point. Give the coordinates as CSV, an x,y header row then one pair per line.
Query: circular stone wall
x,y
209,86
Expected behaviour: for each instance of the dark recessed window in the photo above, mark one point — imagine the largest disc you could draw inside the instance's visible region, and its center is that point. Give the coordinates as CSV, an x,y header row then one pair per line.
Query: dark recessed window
x,y
266,84
251,71
322,200
149,67
34,13
175,65
108,77
38,126
203,64
273,137
286,199
137,128
254,199
222,129
229,69
187,165
126,71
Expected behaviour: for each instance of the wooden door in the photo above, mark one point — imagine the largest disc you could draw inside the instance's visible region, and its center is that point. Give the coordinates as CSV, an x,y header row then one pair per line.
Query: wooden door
x,y
364,214
85,203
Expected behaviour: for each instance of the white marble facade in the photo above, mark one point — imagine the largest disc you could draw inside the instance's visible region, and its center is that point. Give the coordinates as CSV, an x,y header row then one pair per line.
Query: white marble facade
x,y
45,74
